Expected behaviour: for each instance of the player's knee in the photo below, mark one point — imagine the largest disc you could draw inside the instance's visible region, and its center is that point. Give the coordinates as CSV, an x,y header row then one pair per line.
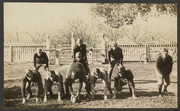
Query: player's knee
x,y
132,86
160,82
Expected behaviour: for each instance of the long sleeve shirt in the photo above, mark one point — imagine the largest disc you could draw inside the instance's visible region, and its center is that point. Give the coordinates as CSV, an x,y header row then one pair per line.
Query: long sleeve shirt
x,y
42,59
164,65
81,49
115,54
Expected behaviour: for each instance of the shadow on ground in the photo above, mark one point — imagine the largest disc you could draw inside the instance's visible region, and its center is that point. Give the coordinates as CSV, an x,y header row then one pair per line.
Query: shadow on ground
x,y
145,81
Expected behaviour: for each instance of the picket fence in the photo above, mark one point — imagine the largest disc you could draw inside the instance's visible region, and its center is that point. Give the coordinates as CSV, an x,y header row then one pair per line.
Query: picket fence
x,y
25,52
21,52
130,52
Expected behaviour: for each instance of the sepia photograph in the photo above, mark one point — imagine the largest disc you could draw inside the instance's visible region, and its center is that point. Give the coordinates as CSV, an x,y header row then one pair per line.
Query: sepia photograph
x,y
90,55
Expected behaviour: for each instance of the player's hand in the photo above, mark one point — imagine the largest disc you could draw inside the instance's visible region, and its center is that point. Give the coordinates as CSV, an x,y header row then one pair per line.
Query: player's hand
x,y
24,100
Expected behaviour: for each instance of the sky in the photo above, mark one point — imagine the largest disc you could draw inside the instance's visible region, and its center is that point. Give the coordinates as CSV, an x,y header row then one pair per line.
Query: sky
x,y
35,17
49,17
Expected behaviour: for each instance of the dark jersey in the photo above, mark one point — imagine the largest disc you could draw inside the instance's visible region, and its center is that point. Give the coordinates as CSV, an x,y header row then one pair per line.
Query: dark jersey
x,y
83,62
115,54
36,77
81,49
42,59
77,68
164,65
129,76
102,75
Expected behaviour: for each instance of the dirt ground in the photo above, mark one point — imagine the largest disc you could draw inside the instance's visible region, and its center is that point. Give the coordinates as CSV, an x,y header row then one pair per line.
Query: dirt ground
x,y
145,85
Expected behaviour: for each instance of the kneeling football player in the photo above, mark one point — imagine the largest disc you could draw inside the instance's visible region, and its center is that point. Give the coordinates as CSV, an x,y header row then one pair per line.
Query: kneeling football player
x,y
49,79
76,71
31,76
120,79
100,73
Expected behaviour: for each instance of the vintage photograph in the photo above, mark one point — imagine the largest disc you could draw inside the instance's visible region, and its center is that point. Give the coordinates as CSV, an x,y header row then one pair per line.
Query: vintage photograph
x,y
90,55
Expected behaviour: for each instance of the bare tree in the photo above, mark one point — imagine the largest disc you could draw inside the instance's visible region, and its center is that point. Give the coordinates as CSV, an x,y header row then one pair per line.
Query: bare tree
x,y
37,37
78,27
17,35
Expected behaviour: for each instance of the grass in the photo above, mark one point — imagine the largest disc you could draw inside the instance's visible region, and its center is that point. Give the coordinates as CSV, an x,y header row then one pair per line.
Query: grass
x,y
144,78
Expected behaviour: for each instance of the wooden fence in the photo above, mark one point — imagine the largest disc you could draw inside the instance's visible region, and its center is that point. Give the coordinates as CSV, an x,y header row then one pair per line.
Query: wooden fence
x,y
133,52
130,52
20,52
25,52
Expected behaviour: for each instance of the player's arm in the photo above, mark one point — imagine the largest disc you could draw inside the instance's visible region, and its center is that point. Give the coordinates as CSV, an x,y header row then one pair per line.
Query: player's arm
x,y
85,54
93,82
121,58
80,85
73,52
170,65
109,56
35,60
107,83
59,82
82,78
158,65
46,59
23,86
46,84
131,84
133,92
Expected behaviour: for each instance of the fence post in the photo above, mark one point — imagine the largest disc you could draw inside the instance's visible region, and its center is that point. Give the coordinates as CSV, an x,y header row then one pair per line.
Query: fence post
x,y
106,60
105,50
91,54
96,56
48,47
11,53
72,43
146,56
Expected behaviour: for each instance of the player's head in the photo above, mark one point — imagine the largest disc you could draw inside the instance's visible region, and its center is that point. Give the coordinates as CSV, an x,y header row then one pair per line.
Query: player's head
x,y
121,70
39,51
114,45
78,56
73,75
79,41
164,52
51,74
96,72
29,74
